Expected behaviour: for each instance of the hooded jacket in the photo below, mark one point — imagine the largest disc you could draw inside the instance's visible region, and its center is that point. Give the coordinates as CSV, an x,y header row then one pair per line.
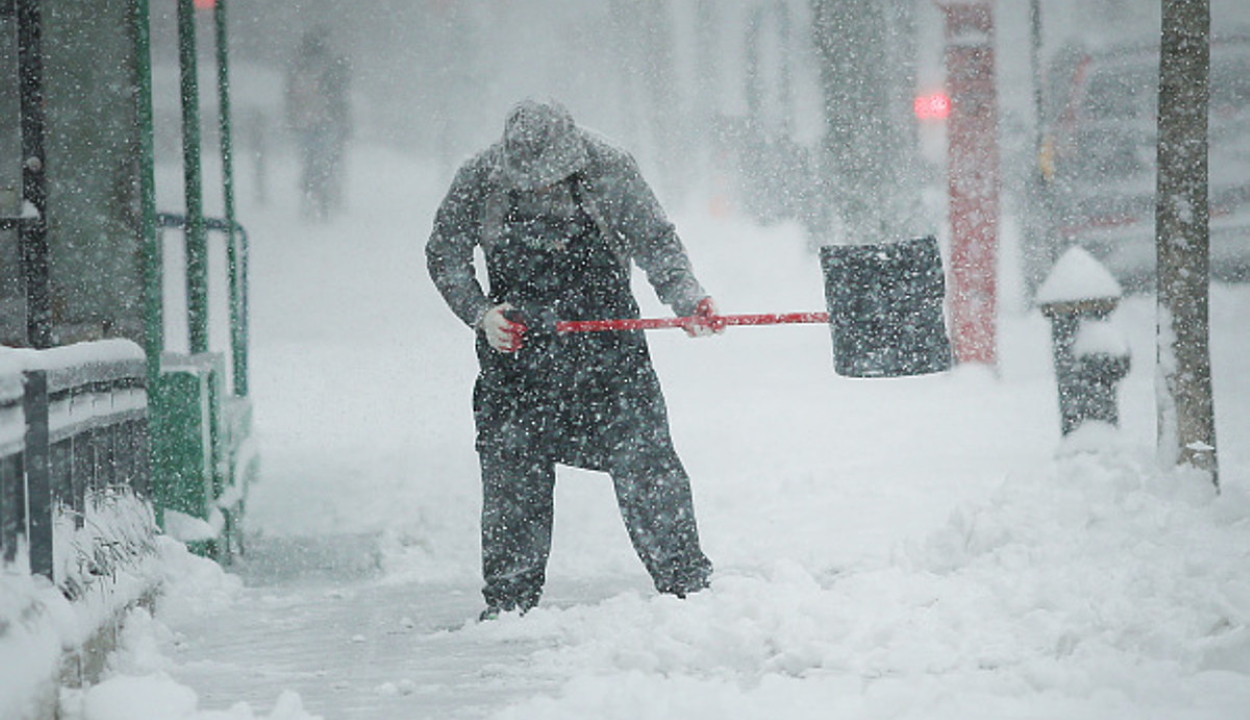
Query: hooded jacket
x,y
613,192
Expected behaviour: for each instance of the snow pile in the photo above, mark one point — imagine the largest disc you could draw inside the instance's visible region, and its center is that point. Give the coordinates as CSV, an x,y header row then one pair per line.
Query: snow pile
x,y
137,684
106,562
165,699
188,528
37,623
1083,586
1103,561
1091,588
192,585
30,648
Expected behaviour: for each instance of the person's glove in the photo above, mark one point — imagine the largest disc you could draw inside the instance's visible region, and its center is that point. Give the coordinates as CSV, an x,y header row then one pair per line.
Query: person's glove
x,y
503,334
706,321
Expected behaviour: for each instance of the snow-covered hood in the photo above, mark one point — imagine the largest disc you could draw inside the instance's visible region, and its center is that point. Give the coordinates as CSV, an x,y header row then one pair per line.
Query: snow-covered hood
x,y
541,146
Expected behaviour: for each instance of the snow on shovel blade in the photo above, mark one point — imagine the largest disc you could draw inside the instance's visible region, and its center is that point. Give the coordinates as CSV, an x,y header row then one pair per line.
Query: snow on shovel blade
x,y
886,308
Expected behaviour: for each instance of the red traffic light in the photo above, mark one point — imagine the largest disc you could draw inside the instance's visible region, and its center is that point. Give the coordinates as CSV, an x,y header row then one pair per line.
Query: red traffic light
x,y
932,106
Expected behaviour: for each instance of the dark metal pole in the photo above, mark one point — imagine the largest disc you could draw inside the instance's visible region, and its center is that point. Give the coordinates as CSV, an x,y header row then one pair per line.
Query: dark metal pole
x,y
197,243
154,319
33,230
38,475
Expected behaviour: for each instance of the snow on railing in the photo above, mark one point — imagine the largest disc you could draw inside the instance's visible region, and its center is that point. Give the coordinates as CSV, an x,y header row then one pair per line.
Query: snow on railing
x,y
77,533
74,467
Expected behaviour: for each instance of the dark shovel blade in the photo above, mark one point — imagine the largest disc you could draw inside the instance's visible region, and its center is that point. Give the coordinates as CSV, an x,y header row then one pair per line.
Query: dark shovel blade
x,y
886,308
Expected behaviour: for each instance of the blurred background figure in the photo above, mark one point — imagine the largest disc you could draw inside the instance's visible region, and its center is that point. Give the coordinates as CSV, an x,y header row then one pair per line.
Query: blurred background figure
x,y
317,113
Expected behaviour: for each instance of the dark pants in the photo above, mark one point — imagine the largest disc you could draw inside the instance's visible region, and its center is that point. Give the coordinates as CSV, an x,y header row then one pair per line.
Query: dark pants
x,y
652,490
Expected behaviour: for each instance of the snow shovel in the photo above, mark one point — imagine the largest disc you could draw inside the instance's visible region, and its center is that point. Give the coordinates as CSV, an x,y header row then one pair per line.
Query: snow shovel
x,y
884,310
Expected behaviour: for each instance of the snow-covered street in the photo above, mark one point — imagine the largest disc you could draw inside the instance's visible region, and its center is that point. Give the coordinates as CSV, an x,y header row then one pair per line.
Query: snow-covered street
x,y
909,548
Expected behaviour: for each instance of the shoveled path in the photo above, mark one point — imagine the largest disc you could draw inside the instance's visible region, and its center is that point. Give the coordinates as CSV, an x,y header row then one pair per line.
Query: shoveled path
x,y
317,618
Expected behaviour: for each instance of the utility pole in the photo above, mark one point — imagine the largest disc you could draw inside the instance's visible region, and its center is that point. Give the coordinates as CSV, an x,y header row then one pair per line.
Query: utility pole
x,y
1186,411
973,182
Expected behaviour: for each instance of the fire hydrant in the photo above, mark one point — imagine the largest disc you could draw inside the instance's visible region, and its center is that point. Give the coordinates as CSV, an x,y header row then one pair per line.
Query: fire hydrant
x,y
1091,354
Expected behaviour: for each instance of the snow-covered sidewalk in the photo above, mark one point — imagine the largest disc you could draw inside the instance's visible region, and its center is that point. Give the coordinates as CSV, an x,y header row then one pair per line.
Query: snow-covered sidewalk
x,y
915,548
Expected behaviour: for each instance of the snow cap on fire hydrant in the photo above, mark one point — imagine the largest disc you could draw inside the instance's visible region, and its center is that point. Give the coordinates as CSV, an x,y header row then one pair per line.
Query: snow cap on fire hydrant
x,y
1077,279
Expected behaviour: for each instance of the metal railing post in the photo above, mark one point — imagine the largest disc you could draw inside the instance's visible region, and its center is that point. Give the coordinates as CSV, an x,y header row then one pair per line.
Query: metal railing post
x,y
197,244
12,451
153,272
38,475
238,328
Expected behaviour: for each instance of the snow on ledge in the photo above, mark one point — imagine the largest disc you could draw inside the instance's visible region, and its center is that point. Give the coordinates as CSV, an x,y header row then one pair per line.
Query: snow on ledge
x,y
186,528
69,356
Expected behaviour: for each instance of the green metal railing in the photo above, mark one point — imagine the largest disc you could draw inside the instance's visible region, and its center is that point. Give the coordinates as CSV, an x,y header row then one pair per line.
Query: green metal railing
x,y
194,223
192,179
154,327
201,415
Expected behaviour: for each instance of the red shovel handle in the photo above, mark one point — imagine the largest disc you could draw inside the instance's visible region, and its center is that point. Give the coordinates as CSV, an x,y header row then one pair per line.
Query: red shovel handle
x,y
566,326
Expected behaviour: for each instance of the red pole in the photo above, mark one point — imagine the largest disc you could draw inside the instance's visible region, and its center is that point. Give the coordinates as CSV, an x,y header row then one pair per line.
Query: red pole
x,y
675,322
973,181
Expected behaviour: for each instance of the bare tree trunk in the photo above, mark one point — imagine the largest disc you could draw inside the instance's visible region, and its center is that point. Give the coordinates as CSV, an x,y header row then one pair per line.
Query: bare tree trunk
x,y
1186,407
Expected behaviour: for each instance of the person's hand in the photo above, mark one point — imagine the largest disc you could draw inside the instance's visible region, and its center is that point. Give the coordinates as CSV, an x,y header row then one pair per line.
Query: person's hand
x,y
705,321
503,334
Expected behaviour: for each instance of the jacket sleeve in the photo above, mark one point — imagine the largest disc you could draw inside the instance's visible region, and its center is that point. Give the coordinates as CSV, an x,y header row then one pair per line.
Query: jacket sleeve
x,y
449,251
650,238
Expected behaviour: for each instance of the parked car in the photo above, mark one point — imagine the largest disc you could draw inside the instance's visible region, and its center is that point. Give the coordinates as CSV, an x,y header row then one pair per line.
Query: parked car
x,y
1099,156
